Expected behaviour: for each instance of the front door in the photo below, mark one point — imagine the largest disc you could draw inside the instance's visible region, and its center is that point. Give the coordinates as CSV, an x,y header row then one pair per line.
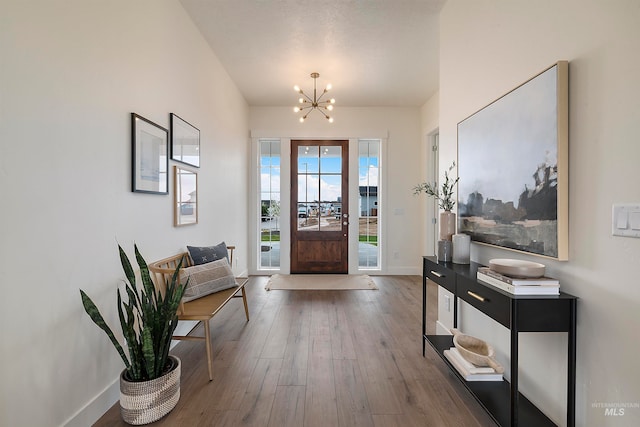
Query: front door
x,y
319,206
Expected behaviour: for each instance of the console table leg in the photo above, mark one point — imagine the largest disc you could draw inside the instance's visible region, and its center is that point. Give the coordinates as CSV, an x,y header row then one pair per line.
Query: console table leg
x,y
571,368
514,368
424,306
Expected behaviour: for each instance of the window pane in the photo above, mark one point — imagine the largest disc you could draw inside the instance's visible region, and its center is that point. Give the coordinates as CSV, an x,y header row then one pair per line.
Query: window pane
x,y
308,158
331,188
274,180
331,160
308,217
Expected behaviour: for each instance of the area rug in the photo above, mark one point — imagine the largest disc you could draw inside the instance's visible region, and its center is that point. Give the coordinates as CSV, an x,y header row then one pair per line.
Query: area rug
x,y
316,282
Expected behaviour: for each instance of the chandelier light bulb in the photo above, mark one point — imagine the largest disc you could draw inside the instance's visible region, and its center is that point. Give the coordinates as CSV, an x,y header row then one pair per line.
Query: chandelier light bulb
x,y
301,119
332,100
296,88
330,107
296,109
301,100
330,119
329,86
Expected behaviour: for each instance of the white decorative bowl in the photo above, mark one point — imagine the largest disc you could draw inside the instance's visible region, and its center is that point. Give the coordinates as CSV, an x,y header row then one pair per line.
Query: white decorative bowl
x,y
517,268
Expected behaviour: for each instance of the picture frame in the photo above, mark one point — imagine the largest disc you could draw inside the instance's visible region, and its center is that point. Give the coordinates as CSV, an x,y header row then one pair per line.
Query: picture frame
x,y
185,141
185,201
149,157
513,168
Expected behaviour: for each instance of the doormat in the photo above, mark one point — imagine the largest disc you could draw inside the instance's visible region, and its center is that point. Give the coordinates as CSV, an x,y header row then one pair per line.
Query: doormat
x,y
317,282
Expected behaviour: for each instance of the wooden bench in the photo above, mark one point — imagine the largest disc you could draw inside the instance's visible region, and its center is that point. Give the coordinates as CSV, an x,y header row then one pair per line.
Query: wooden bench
x,y
201,309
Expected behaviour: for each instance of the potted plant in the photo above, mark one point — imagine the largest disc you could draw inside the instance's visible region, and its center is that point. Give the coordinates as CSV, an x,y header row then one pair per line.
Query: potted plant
x,y
445,200
150,382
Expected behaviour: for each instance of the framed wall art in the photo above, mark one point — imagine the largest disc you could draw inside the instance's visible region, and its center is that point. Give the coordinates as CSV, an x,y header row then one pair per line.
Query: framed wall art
x,y
185,142
150,159
513,168
185,204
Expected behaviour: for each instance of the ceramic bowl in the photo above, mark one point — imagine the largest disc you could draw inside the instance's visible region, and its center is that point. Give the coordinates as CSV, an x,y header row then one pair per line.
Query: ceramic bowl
x,y
517,268
475,350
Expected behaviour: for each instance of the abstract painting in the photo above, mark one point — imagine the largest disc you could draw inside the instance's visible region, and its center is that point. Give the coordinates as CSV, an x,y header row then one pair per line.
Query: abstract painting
x,y
513,168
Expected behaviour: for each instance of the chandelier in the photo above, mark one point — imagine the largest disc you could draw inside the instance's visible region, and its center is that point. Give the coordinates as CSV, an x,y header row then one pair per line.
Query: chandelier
x,y
307,104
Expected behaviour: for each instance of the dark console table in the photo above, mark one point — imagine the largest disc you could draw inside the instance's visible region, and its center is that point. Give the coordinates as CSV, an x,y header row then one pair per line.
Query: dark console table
x,y
518,313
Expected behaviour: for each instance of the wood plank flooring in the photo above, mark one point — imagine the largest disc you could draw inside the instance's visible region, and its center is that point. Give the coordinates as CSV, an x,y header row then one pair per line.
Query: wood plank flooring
x,y
319,358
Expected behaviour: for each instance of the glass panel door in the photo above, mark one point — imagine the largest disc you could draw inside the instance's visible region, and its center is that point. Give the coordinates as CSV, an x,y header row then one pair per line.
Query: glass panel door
x,y
320,221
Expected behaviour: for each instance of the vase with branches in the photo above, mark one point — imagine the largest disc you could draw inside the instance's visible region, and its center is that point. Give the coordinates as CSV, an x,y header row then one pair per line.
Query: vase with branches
x,y
444,197
446,202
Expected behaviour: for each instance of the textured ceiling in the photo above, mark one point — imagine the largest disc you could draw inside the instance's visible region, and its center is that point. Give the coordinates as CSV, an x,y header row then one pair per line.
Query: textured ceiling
x,y
373,52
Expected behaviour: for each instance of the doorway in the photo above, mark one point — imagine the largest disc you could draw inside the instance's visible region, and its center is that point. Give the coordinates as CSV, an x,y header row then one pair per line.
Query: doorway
x,y
319,206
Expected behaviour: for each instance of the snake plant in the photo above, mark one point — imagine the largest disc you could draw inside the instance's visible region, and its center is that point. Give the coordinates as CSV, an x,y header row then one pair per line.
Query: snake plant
x,y
148,319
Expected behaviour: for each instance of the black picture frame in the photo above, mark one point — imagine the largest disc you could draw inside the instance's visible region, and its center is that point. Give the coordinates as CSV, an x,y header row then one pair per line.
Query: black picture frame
x,y
185,141
150,159
513,168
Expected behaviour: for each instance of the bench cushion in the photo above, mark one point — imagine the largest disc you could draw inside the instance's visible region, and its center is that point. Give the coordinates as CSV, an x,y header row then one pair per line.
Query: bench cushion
x,y
204,254
206,279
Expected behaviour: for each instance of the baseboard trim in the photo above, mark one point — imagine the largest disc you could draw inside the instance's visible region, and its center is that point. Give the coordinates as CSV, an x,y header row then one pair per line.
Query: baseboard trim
x,y
442,329
394,271
97,407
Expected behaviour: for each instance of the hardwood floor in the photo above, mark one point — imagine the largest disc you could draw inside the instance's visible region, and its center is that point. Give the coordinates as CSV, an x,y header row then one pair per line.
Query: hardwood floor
x,y
319,358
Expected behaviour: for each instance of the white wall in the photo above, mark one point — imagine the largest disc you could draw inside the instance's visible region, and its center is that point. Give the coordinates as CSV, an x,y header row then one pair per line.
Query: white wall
x,y
71,74
489,47
399,211
430,127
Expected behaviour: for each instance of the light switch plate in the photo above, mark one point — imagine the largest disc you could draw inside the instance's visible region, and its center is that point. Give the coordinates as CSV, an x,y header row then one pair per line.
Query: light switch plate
x,y
634,220
625,219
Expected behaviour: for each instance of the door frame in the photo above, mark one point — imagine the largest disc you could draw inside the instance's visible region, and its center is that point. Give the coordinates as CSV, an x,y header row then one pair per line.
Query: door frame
x,y
285,188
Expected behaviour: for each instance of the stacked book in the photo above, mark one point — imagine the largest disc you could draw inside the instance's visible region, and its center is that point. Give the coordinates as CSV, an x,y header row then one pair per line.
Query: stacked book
x,y
519,286
468,370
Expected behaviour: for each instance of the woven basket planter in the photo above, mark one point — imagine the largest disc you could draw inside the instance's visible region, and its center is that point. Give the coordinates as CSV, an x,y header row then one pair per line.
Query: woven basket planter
x,y
144,402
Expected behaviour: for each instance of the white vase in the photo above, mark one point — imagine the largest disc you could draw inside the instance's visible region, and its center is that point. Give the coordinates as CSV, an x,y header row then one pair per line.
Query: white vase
x,y
461,249
447,225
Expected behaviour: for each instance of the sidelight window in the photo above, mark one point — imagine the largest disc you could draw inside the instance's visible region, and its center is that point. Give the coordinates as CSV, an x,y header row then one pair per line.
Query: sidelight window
x,y
269,204
368,203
